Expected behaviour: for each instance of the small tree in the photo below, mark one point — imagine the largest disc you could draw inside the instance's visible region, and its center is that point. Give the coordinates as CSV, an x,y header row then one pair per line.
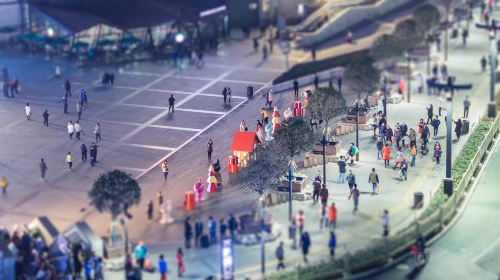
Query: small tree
x,y
113,192
426,16
361,76
409,34
386,47
327,103
294,137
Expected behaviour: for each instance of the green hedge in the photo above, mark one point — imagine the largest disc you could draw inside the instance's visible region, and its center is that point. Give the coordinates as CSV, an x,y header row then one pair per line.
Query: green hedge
x,y
308,68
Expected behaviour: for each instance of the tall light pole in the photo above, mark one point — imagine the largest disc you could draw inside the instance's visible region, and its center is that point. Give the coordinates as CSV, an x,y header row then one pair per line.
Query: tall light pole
x,y
408,76
324,142
451,87
356,108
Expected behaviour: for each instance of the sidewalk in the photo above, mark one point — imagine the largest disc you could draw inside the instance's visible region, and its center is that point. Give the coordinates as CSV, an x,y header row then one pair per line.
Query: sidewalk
x,y
357,231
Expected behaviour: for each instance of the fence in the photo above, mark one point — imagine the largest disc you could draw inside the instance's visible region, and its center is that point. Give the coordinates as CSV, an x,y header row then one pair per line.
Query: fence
x,y
428,224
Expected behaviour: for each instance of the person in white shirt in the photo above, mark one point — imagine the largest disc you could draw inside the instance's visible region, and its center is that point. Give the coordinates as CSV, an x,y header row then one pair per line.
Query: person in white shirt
x,y
78,130
71,129
28,111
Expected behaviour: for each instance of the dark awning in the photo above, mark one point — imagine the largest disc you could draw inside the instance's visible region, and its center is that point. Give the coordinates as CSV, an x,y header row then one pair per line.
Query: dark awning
x,y
77,15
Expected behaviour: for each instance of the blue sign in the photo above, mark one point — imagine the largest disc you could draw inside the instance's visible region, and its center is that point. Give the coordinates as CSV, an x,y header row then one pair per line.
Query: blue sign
x,y
227,259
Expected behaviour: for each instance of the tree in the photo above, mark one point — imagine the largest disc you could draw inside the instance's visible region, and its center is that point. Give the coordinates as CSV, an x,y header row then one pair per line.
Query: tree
x,y
409,34
114,192
361,76
294,137
386,47
327,103
426,16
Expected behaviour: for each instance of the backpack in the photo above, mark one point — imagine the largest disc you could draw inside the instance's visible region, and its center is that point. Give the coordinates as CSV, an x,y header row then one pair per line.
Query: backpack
x,y
373,177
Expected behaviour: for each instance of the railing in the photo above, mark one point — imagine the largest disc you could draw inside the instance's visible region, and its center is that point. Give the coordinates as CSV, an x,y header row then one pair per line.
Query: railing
x,y
383,251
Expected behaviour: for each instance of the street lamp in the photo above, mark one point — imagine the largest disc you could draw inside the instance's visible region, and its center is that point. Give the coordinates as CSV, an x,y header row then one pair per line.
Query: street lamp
x,y
324,142
408,77
291,165
385,96
356,108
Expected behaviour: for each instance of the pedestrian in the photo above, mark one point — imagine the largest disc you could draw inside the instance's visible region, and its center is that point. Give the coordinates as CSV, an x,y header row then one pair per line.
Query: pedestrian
x,y
301,221
71,129
255,45
353,153
355,198
222,229
324,195
412,135
83,150
171,103
93,154
27,110
444,72
181,268
188,232
243,126
385,223
313,54
399,157
280,256
296,88
14,86
97,132
264,52
316,190
316,81
4,183
332,216
65,103
388,135
229,94
323,218
351,179
164,169
162,267
386,153
149,210
212,229
413,155
233,225
198,232
69,160
332,243
67,87
43,169
466,107
269,98
458,128
79,110
159,197
292,232
426,134
430,113
341,163
305,243
373,179
435,124
265,115
85,103
224,94
210,149
380,146
465,34
403,173
437,151
78,129
483,62
98,269
140,254
45,116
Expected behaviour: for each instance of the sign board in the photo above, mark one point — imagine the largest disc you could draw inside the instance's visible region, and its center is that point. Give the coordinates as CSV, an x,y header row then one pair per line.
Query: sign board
x,y
227,259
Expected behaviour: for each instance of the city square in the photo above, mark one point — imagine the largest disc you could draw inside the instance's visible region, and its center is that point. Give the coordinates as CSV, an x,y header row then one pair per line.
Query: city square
x,y
224,154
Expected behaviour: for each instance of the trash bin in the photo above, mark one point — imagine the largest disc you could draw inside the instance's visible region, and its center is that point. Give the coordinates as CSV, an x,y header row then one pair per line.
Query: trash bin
x,y
250,91
465,126
418,200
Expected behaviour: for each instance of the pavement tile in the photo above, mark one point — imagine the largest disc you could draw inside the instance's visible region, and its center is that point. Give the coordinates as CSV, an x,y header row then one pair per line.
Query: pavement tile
x,y
155,98
162,137
187,119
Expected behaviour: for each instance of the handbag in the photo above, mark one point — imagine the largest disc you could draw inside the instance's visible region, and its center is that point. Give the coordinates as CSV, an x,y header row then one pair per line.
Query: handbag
x,y
378,188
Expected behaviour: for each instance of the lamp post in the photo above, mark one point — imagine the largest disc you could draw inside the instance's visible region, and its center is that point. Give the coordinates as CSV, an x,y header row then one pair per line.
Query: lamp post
x,y
408,76
492,29
356,108
385,96
451,87
291,165
324,142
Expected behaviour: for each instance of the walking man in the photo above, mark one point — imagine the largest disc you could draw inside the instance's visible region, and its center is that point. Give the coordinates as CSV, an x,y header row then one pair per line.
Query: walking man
x,y
351,180
296,88
67,87
45,116
83,150
483,64
373,179
65,102
466,107
224,94
430,113
341,163
323,194
43,169
171,103
78,129
162,267
164,169
280,256
212,229
71,129
210,148
188,232
69,160
97,132
435,124
79,110
149,210
355,198
198,232
27,109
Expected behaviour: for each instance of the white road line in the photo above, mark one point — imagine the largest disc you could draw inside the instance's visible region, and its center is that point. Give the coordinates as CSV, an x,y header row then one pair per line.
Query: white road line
x,y
151,125
147,146
178,92
244,82
219,96
200,111
137,73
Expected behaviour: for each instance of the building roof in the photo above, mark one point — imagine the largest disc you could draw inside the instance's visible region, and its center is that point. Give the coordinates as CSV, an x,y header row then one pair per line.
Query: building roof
x,y
78,15
244,141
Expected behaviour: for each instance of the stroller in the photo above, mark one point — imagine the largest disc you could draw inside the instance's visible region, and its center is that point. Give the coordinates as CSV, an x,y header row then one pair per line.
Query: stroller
x,y
424,150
